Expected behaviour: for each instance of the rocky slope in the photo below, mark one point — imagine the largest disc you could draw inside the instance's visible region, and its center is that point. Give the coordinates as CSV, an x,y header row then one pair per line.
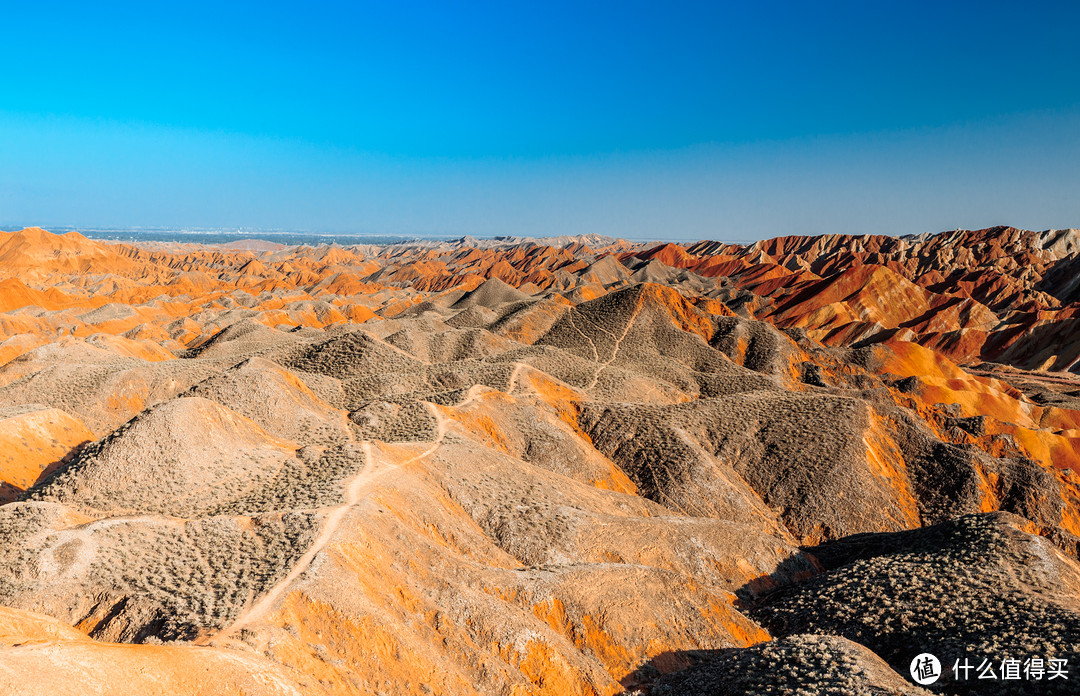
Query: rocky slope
x,y
576,467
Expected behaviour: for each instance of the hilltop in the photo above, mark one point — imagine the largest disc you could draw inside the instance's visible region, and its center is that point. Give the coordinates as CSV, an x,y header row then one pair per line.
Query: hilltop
x,y
564,466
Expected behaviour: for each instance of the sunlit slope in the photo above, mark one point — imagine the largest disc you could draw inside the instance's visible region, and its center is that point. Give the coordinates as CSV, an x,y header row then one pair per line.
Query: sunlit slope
x,y
520,470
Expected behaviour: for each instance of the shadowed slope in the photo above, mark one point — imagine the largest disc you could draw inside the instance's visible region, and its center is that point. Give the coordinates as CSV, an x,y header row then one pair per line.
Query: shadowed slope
x,y
527,473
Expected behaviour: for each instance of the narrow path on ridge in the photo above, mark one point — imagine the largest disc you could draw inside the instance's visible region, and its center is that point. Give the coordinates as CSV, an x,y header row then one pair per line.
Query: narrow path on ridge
x,y
615,349
375,467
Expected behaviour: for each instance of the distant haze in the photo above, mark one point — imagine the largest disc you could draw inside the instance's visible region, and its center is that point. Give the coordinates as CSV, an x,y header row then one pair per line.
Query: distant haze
x,y
645,121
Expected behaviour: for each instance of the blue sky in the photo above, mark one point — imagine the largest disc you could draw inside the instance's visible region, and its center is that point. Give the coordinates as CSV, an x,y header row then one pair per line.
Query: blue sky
x,y
647,120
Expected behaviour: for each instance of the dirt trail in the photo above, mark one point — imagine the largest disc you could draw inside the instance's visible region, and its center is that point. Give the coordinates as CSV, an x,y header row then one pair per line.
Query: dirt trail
x,y
615,349
512,384
87,545
570,318
376,466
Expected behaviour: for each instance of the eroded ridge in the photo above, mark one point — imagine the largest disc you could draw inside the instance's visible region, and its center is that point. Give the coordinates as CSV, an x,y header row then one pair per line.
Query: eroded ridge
x,y
577,467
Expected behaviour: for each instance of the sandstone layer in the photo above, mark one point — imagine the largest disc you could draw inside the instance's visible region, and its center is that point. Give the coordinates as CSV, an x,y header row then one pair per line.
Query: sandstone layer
x,y
576,466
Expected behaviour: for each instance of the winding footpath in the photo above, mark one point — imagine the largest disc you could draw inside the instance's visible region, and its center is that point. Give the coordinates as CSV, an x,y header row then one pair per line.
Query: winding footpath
x,y
376,466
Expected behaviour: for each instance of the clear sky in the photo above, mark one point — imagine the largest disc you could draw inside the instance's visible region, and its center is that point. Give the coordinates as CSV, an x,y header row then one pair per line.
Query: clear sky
x,y
649,120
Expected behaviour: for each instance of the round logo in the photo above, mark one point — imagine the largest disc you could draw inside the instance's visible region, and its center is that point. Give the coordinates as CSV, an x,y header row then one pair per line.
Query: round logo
x,y
925,669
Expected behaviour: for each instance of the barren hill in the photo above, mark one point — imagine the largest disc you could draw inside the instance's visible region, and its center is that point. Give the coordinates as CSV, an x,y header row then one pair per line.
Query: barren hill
x,y
572,466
